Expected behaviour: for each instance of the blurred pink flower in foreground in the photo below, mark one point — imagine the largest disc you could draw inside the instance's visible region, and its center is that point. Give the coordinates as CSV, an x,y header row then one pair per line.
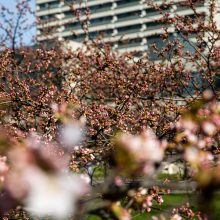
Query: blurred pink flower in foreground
x,y
209,128
139,152
3,168
144,147
37,179
53,195
71,134
176,217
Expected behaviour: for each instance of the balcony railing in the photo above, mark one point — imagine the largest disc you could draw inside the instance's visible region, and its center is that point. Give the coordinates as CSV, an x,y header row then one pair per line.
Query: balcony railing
x,y
129,4
127,45
155,26
99,23
99,10
129,31
127,18
47,6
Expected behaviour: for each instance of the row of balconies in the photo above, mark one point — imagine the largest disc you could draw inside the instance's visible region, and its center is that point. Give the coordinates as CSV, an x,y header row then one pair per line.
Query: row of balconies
x,y
145,44
116,33
51,4
118,16
115,26
57,6
120,27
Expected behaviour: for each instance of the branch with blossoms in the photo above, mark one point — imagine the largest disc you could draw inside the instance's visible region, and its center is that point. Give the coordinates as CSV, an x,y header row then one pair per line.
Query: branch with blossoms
x,y
89,132
40,167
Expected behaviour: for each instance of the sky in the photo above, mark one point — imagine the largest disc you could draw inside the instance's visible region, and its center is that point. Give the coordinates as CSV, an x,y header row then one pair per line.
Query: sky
x,y
11,3
30,33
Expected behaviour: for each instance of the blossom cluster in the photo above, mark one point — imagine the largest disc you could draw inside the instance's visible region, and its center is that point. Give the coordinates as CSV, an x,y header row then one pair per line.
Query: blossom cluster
x,y
139,152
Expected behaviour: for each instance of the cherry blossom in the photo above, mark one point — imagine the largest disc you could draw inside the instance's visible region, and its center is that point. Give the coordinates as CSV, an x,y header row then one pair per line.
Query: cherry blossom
x,y
53,195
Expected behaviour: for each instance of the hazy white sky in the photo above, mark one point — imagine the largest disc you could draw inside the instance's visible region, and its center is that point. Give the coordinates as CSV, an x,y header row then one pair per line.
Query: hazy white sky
x,y
10,4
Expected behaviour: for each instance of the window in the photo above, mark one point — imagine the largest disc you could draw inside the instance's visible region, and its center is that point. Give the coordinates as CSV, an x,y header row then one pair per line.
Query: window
x,y
78,38
100,21
47,17
69,14
153,11
73,26
49,5
155,25
129,43
124,3
100,7
128,15
129,29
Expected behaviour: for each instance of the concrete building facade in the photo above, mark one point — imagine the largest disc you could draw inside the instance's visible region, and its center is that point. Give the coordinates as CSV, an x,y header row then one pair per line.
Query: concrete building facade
x,y
129,25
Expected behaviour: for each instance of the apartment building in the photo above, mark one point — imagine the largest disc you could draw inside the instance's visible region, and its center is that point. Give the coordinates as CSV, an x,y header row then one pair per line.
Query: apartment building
x,y
129,25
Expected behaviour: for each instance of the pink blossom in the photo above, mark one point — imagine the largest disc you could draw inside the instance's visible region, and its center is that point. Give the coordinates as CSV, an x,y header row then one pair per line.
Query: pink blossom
x,y
54,195
71,134
176,217
118,181
3,168
145,147
209,128
187,124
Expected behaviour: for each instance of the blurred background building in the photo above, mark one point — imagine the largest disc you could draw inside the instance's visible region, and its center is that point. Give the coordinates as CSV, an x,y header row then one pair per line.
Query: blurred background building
x,y
129,25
